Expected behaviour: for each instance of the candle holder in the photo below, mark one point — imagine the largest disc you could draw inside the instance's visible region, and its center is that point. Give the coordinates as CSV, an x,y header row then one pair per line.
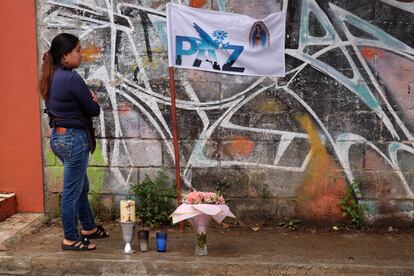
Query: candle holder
x,y
161,239
143,240
128,228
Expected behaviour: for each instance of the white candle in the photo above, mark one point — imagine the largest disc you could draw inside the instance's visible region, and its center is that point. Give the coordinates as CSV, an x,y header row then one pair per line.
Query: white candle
x,y
127,210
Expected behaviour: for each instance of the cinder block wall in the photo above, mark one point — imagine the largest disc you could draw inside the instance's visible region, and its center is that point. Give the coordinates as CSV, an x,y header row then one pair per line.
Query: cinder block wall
x,y
286,147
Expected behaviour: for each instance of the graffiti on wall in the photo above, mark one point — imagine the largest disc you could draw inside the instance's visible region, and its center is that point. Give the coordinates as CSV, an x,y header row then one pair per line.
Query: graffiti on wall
x,y
347,88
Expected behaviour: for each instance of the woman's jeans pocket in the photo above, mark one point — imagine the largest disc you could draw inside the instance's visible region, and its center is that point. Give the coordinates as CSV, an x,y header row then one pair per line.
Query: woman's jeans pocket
x,y
61,144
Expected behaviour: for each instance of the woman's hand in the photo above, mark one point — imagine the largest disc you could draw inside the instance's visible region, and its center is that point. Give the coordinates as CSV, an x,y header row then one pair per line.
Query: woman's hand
x,y
94,97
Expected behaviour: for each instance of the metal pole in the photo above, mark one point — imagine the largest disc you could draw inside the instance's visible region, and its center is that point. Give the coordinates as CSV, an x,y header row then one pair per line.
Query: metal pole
x,y
175,140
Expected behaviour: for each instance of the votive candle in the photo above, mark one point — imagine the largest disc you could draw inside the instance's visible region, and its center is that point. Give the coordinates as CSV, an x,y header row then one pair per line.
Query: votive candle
x,y
127,210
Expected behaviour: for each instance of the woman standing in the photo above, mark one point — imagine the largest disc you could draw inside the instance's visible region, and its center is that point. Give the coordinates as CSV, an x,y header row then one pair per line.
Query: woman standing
x,y
71,106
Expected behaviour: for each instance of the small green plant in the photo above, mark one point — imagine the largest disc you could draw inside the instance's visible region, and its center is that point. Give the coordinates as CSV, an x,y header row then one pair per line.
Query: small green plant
x,y
48,219
351,207
157,196
289,223
94,202
100,211
221,188
264,192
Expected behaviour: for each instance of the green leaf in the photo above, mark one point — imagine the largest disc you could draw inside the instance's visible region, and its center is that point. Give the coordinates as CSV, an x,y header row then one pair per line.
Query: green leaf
x,y
157,198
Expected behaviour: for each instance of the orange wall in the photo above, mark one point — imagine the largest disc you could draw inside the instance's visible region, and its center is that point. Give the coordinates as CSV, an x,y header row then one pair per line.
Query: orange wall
x,y
20,134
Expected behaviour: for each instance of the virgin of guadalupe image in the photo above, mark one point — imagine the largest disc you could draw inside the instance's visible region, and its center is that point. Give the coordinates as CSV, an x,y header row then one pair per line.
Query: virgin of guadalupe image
x,y
259,35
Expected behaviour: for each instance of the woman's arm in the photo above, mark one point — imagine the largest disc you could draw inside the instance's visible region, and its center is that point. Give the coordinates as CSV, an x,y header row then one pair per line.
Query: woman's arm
x,y
84,96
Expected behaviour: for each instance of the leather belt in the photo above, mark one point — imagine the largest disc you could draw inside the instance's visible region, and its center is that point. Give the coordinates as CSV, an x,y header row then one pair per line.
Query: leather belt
x,y
60,130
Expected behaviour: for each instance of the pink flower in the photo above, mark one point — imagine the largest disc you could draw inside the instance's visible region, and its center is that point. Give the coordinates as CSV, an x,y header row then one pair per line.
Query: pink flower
x,y
197,197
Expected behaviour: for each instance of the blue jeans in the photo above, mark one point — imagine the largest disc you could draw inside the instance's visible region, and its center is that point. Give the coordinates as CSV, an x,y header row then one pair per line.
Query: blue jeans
x,y
72,148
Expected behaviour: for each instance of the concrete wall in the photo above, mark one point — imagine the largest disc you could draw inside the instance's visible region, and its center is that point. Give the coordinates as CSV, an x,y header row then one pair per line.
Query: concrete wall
x,y
287,146
20,132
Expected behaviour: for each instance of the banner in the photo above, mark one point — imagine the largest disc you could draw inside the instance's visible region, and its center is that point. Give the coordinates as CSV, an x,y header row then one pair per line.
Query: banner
x,y
225,42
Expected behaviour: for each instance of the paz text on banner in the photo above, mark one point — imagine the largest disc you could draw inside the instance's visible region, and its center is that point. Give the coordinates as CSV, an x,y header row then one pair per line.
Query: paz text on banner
x,y
225,42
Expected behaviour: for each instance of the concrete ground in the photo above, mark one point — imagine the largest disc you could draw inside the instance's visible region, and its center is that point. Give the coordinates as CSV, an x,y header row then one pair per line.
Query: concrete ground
x,y
232,251
18,226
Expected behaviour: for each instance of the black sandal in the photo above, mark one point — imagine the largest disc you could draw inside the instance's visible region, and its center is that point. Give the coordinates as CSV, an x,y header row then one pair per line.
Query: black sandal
x,y
100,233
79,245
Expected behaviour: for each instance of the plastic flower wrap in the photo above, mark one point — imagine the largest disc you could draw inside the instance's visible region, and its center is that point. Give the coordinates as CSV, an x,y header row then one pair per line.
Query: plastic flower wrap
x,y
203,198
196,203
200,208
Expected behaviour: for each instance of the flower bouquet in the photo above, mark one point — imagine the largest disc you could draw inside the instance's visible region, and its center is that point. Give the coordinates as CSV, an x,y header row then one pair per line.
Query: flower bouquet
x,y
200,208
203,198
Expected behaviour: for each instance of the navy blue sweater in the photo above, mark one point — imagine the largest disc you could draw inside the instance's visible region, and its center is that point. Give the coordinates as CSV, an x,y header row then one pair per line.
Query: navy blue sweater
x,y
69,98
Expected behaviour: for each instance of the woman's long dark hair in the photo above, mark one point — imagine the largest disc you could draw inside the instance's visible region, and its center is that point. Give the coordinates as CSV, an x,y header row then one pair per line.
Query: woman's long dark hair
x,y
62,44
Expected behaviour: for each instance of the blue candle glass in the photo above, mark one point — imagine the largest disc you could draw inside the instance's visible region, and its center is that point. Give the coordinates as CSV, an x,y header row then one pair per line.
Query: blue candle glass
x,y
161,238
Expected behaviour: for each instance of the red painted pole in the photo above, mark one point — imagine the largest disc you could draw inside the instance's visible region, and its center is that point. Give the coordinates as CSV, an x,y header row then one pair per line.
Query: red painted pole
x,y
175,140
